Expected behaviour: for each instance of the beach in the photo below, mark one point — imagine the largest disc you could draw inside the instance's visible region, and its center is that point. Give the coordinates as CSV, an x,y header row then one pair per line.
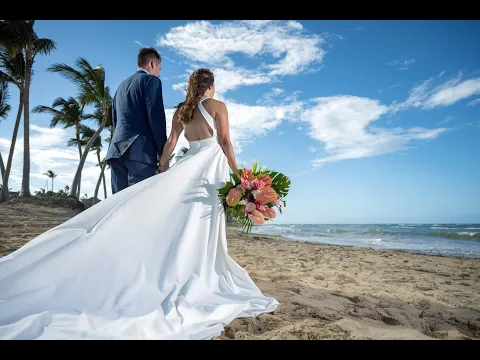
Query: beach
x,y
325,291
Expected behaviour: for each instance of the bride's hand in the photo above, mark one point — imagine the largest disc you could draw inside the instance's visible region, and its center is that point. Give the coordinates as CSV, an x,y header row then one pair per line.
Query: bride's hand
x,y
164,168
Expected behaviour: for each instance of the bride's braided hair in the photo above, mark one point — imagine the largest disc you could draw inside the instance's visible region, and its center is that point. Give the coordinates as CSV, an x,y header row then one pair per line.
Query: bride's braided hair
x,y
198,83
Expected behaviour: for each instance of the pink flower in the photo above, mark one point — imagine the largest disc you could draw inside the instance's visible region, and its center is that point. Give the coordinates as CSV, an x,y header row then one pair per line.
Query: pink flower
x,y
269,213
234,196
258,184
276,201
247,174
266,180
257,217
267,195
250,207
245,184
260,206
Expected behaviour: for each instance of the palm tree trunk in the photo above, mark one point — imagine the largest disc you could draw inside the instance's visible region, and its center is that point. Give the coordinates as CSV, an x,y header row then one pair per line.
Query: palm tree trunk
x,y
25,189
78,174
104,184
102,175
4,193
77,135
2,167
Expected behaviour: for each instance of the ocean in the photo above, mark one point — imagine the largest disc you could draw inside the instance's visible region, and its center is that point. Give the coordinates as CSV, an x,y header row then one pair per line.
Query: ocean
x,y
461,240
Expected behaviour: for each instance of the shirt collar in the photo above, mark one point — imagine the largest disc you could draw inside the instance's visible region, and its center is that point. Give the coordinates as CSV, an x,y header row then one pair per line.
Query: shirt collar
x,y
142,69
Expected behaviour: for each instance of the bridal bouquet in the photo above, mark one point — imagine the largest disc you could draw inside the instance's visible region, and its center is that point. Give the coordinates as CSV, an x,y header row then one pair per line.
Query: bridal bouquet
x,y
253,194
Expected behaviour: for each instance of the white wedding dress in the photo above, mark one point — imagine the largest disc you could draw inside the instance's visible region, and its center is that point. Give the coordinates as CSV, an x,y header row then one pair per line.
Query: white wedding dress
x,y
149,262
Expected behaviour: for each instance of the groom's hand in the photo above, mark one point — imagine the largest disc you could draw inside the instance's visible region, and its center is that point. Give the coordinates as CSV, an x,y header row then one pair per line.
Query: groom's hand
x,y
164,168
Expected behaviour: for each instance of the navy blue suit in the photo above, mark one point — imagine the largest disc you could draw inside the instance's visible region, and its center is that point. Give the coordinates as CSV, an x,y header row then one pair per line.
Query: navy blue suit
x,y
140,130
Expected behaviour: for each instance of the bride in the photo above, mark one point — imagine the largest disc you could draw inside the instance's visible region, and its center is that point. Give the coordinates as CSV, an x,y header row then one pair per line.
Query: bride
x,y
149,262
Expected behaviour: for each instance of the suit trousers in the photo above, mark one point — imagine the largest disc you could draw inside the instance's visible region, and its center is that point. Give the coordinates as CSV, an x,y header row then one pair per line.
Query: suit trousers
x,y
125,173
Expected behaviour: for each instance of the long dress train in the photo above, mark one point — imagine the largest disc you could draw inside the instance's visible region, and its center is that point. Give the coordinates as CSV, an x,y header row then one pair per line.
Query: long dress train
x,y
149,262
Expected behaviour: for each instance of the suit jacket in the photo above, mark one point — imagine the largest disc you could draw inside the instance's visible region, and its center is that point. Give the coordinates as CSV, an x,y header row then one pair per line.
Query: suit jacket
x,y
140,129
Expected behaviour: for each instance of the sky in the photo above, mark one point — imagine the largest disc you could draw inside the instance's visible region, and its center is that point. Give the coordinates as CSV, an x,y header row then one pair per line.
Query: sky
x,y
373,121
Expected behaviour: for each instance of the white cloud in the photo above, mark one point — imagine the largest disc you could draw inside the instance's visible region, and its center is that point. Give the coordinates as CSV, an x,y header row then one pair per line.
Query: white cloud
x,y
292,97
402,63
182,87
268,97
343,125
212,44
48,151
312,149
226,80
248,123
446,120
140,44
428,94
473,102
448,95
387,88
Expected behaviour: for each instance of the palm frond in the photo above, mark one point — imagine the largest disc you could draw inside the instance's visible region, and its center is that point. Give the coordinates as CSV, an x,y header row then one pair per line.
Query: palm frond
x,y
12,36
59,101
69,114
87,133
43,46
4,97
78,78
74,142
41,109
13,67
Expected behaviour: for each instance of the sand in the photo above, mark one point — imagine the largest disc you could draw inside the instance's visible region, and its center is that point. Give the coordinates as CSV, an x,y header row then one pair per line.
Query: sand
x,y
325,291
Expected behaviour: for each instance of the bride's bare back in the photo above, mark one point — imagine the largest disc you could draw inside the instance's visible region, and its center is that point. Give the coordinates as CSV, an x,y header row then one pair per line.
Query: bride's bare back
x,y
198,128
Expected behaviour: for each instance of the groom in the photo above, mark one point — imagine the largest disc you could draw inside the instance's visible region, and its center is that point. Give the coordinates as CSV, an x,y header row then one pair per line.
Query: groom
x,y
139,124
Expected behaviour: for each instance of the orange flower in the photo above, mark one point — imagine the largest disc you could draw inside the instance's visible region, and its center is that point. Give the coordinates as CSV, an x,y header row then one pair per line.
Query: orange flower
x,y
247,175
269,213
257,217
267,195
234,196
266,179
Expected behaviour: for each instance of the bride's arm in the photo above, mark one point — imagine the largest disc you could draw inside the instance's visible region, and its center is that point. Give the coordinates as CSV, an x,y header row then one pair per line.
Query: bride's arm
x,y
221,117
169,146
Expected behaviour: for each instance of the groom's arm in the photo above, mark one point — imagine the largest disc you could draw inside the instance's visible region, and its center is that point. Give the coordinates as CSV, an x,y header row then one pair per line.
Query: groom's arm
x,y
156,112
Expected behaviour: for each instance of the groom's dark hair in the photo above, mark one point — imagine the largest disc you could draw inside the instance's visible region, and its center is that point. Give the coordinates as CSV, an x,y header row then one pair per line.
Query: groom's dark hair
x,y
147,54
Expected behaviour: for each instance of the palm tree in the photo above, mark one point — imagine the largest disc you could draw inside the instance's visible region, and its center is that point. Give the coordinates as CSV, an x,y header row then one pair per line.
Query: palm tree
x,y
97,117
69,114
19,37
50,174
92,90
2,166
103,166
4,110
4,97
12,71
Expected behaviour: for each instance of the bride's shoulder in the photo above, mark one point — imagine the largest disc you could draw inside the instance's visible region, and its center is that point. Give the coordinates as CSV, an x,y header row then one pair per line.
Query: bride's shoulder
x,y
216,106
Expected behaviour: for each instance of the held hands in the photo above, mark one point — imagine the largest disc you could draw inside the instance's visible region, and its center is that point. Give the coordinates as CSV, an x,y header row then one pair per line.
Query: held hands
x,y
162,165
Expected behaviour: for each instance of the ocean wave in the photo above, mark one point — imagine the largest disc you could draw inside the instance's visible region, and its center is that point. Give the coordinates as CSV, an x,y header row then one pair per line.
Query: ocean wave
x,y
461,235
